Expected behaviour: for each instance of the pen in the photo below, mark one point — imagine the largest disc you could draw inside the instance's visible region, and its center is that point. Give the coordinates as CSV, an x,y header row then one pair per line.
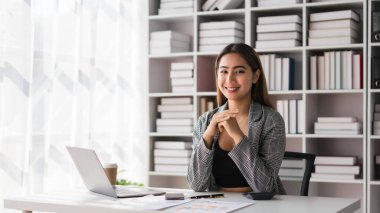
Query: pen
x,y
207,196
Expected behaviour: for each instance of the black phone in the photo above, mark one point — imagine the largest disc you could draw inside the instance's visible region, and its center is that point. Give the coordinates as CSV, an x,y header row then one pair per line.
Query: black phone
x,y
259,195
174,196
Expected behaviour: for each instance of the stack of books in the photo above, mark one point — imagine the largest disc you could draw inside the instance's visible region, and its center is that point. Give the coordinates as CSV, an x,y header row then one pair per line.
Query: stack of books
x,y
215,35
334,28
337,125
279,31
176,115
272,3
168,41
279,72
292,111
210,5
206,104
172,156
181,75
292,168
334,167
176,7
336,70
376,119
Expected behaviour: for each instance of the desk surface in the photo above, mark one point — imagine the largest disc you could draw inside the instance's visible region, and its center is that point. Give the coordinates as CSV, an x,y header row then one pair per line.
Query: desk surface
x,y
79,201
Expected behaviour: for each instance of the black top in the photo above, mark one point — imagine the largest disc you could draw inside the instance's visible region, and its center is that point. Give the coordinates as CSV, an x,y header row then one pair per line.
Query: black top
x,y
225,171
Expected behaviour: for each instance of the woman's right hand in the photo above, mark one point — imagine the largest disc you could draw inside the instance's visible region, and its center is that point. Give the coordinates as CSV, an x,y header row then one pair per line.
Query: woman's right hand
x,y
212,128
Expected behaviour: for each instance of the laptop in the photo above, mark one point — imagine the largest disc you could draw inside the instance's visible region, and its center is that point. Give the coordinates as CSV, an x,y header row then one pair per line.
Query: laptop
x,y
95,178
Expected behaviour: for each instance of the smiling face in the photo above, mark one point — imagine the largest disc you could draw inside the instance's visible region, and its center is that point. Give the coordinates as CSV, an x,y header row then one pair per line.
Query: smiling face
x,y
235,77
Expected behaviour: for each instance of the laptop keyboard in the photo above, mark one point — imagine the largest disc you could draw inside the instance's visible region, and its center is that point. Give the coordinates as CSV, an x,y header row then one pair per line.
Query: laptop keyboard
x,y
124,191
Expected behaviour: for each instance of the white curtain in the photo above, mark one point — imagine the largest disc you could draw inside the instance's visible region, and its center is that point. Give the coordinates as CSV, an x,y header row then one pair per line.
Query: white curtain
x,y
72,72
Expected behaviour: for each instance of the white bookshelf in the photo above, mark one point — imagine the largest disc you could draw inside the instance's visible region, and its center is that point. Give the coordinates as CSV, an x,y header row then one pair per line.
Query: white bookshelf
x,y
347,103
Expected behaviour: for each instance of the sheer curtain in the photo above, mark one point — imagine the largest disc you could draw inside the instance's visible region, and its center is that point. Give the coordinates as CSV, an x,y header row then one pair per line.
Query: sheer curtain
x,y
72,72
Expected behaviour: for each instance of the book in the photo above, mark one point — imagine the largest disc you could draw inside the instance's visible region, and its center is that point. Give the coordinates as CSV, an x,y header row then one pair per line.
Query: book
x,y
288,74
338,126
169,101
173,122
337,169
313,73
207,5
175,11
172,145
176,114
300,116
279,19
182,81
211,48
221,32
295,164
176,4
324,33
280,107
286,115
336,119
175,108
172,152
228,4
331,41
332,70
169,34
321,72
335,160
278,43
169,43
181,73
327,70
182,66
333,176
172,160
272,68
221,25
166,50
278,36
338,132
293,116
220,40
270,3
175,129
278,74
344,23
284,27
338,69
170,168
357,71
182,89
349,69
334,15
288,172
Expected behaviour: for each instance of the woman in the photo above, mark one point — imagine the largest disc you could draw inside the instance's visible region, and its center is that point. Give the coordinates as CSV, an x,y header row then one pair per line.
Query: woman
x,y
239,146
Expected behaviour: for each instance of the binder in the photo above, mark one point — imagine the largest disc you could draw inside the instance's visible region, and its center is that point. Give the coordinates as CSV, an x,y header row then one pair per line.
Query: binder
x,y
376,23
375,72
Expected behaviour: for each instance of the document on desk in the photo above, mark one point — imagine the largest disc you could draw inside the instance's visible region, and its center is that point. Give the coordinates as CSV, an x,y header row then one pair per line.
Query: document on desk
x,y
150,202
209,206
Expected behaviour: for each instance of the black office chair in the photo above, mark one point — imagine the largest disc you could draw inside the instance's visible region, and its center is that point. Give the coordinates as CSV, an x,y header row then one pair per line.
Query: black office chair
x,y
308,168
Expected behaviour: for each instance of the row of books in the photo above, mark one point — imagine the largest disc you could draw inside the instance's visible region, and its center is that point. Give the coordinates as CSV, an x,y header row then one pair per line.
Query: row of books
x,y
176,115
333,28
181,75
272,3
376,119
168,41
171,156
176,7
279,31
212,40
210,5
337,125
206,104
336,70
336,167
279,72
292,112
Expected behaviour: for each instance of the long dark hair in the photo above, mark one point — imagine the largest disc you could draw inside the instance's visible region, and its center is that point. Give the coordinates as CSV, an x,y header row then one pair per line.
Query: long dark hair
x,y
259,92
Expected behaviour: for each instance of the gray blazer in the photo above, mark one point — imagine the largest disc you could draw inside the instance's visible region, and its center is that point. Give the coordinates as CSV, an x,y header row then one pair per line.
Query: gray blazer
x,y
257,156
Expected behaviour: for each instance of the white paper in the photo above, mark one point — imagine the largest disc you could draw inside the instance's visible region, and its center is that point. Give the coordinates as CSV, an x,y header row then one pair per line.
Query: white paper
x,y
150,202
209,206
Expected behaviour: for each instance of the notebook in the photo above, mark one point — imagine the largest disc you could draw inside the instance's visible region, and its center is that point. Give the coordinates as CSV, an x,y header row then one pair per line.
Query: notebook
x,y
95,179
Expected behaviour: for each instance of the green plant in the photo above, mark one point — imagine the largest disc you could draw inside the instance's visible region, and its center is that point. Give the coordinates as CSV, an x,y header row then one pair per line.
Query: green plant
x,y
126,182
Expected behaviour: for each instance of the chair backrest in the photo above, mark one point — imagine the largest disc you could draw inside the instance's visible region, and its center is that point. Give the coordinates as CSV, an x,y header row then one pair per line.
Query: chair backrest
x,y
310,158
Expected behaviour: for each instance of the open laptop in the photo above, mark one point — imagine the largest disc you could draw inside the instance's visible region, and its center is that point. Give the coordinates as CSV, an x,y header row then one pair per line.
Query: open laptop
x,y
95,178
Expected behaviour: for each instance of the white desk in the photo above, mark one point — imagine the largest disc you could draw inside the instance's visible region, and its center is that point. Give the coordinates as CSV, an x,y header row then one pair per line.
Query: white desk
x,y
80,201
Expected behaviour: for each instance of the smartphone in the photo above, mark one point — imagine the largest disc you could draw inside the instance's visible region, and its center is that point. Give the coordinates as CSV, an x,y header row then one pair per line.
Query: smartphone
x,y
174,196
